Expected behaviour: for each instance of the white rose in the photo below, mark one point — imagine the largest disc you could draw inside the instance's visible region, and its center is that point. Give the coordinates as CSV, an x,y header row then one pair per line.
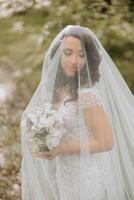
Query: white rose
x,y
49,122
33,128
34,120
56,133
52,142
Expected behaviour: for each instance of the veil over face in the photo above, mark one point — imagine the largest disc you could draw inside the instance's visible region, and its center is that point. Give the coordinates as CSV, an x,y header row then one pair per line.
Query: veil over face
x,y
84,86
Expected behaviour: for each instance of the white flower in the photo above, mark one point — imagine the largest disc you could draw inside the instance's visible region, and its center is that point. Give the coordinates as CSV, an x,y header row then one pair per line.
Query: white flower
x,y
32,118
56,133
45,125
33,128
52,142
49,122
39,111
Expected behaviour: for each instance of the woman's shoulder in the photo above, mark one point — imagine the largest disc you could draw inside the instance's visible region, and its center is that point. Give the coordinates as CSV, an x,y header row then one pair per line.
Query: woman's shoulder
x,y
90,96
89,88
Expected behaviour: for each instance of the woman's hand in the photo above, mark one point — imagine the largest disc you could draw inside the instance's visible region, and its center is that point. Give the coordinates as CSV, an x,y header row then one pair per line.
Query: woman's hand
x,y
51,154
71,147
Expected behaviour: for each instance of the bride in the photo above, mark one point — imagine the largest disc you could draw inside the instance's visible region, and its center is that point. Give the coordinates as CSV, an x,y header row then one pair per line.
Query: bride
x,y
93,159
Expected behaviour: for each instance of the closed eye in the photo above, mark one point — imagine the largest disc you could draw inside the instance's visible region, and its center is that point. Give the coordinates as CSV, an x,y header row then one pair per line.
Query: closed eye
x,y
67,52
81,54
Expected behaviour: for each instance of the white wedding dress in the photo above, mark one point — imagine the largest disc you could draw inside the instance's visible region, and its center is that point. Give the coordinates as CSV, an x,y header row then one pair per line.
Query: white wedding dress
x,y
67,166
58,179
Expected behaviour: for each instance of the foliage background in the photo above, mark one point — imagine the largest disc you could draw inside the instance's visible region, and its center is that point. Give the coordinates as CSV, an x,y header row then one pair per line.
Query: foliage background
x,y
26,30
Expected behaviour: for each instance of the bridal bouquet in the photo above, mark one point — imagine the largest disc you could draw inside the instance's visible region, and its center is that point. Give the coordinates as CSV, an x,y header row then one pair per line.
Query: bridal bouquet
x,y
44,128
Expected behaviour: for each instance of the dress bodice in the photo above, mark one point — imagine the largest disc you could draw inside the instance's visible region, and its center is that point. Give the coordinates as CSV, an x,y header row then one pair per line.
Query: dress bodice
x,y
70,110
68,165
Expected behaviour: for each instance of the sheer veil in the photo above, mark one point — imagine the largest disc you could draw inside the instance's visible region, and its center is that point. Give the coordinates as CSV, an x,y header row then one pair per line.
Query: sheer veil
x,y
99,91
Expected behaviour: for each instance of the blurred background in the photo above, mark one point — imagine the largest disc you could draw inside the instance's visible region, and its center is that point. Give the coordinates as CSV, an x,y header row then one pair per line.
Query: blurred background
x,y
27,28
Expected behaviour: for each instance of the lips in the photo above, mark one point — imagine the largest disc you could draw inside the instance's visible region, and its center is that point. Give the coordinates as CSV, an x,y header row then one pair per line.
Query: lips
x,y
71,67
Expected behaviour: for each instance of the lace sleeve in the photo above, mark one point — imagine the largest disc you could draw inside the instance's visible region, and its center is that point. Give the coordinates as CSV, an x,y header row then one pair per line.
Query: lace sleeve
x,y
90,97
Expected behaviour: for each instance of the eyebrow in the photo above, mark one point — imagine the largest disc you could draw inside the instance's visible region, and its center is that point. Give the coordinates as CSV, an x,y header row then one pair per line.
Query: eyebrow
x,y
71,49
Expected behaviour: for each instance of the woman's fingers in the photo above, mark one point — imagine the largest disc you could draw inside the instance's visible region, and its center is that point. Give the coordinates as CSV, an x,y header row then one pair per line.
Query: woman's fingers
x,y
47,154
42,155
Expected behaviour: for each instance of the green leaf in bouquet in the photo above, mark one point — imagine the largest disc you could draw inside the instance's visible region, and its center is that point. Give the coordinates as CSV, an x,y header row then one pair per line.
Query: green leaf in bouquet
x,y
43,148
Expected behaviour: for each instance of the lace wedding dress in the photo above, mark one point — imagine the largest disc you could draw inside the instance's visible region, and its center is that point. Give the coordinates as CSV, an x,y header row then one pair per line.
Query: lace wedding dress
x,y
67,166
62,178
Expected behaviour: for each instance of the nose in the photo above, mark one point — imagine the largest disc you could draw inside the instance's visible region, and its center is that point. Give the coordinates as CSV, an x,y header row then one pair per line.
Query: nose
x,y
74,60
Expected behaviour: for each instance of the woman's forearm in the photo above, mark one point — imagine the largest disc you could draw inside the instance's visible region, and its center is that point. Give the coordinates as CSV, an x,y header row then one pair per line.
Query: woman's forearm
x,y
93,146
96,146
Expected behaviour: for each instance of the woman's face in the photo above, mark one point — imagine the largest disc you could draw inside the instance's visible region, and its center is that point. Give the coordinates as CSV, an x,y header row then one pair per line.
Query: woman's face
x,y
72,56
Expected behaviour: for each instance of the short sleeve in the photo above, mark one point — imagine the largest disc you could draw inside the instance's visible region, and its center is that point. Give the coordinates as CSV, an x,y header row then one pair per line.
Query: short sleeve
x,y
90,97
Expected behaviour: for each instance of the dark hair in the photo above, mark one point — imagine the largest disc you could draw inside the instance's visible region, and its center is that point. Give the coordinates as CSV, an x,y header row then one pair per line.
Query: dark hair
x,y
93,60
